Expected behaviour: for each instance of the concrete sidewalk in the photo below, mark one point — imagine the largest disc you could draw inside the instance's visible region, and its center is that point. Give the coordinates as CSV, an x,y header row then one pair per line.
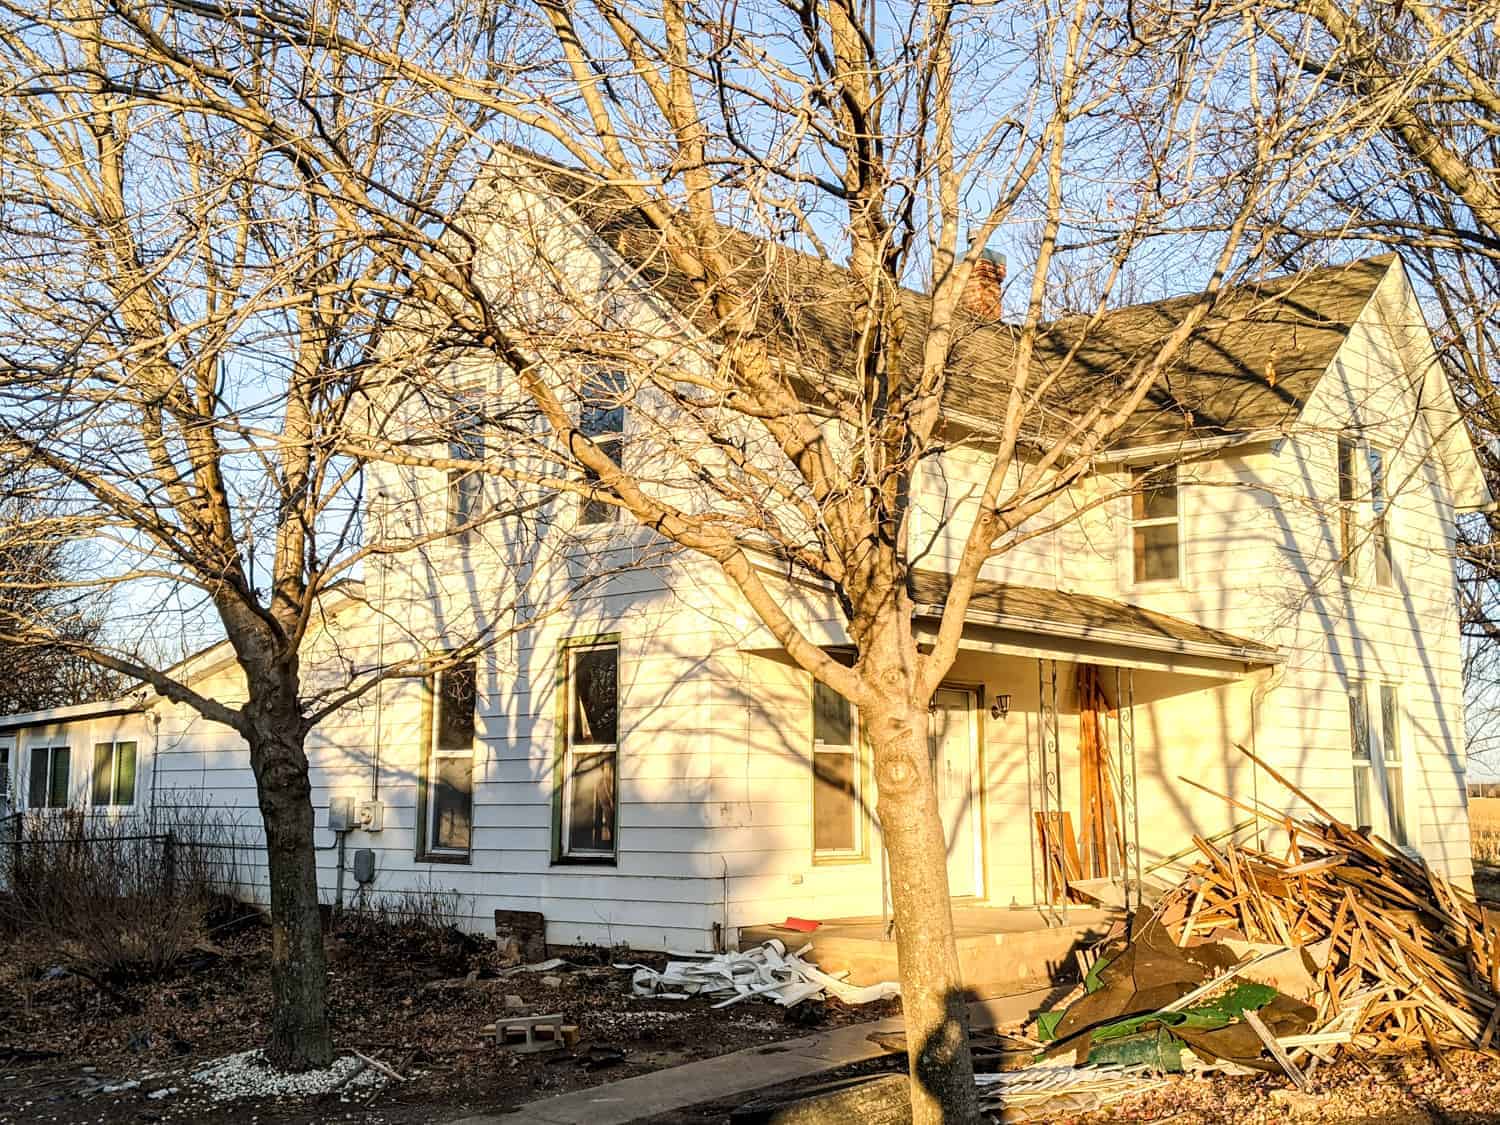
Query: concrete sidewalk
x,y
739,1072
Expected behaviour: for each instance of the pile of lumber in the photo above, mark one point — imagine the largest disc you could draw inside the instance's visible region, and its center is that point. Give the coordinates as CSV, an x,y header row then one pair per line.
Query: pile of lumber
x,y
1400,956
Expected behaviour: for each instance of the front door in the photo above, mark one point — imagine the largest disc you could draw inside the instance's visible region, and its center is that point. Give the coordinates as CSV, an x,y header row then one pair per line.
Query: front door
x,y
953,744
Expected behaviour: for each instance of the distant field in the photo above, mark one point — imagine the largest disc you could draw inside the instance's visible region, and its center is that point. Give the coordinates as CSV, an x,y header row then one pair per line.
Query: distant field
x,y
1484,828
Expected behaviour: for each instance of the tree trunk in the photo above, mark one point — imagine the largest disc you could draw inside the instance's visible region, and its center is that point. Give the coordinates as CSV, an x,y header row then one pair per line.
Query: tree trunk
x,y
300,1038
933,1000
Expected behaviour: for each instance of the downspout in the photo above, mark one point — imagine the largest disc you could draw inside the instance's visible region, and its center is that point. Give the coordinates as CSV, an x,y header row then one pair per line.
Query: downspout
x,y
155,764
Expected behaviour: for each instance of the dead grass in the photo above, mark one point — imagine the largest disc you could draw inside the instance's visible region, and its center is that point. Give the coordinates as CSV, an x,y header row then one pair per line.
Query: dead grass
x,y
1484,830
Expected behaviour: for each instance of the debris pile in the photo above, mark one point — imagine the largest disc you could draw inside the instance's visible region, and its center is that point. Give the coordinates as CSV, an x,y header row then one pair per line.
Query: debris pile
x,y
1273,962
767,971
1415,958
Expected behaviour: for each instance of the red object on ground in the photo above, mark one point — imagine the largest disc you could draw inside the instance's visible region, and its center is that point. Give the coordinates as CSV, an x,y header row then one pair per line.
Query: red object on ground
x,y
801,925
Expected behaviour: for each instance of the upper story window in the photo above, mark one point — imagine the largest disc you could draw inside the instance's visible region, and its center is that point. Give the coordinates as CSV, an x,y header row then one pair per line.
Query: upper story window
x,y
465,486
1380,519
1348,491
601,417
1155,524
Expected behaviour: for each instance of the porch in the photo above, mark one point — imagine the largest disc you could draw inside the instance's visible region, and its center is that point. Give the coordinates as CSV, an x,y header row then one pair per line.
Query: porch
x,y
1001,950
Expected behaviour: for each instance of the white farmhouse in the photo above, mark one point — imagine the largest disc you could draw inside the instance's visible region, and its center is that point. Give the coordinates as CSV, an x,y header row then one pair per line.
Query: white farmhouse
x,y
1263,559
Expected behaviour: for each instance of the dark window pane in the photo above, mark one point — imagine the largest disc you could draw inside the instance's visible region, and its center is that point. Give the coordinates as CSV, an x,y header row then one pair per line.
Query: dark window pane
x,y
1377,480
602,407
1361,796
1395,805
1155,494
1389,745
1359,724
103,759
598,511
36,786
464,492
1346,468
595,702
4,771
455,722
833,802
57,796
1156,552
124,773
452,801
591,803
833,721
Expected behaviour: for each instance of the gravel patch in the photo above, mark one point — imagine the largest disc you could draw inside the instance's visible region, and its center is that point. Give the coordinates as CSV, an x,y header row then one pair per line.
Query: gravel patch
x,y
248,1075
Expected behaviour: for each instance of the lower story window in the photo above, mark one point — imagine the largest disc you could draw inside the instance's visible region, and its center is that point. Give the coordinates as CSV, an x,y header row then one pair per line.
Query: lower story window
x,y
591,779
48,788
114,774
836,776
449,777
1379,790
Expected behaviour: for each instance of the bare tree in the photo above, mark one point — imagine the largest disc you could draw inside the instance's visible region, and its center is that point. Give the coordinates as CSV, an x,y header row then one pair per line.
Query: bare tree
x,y
1412,161
186,330
816,189
36,586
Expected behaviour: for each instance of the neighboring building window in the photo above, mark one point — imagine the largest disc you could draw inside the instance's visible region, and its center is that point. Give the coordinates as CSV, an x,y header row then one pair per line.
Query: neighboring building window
x,y
601,417
450,762
836,775
114,774
465,487
1155,523
4,774
48,788
591,756
1379,792
1384,563
1347,491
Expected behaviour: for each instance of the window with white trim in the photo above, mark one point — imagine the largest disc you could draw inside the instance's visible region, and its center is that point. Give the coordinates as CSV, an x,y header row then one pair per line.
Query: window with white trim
x,y
601,418
1155,524
1380,519
47,787
1348,448
5,773
114,775
1379,790
465,486
591,778
837,825
449,805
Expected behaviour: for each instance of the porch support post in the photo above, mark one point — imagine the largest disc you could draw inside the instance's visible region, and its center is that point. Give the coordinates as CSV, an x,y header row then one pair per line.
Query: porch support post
x,y
1129,809
1046,786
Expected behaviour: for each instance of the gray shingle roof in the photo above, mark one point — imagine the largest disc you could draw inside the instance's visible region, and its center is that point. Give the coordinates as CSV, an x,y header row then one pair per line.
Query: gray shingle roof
x,y
1251,366
1041,610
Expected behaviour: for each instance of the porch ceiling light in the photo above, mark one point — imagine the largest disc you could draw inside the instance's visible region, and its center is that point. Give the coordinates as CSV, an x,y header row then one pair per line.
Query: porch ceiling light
x,y
1001,707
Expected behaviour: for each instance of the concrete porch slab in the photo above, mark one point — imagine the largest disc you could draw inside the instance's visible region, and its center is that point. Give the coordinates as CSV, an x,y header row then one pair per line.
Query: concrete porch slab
x,y
1000,950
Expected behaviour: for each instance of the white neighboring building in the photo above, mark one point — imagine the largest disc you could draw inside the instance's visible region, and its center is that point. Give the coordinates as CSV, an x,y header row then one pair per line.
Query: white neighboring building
x,y
643,766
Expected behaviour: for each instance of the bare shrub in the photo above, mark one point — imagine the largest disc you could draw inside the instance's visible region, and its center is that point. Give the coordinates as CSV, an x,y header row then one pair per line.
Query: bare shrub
x,y
422,923
117,897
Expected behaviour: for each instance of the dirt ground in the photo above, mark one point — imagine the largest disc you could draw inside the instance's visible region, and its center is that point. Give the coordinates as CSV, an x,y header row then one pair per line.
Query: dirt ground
x,y
63,1039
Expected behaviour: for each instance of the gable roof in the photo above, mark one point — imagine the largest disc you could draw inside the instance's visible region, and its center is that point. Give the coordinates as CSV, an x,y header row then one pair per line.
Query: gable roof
x,y
1250,367
1038,609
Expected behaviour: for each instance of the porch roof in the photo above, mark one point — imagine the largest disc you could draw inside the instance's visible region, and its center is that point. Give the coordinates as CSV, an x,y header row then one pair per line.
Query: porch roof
x,y
1059,613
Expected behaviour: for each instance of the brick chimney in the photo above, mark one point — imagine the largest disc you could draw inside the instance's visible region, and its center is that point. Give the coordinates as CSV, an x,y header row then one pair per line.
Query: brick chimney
x,y
981,296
